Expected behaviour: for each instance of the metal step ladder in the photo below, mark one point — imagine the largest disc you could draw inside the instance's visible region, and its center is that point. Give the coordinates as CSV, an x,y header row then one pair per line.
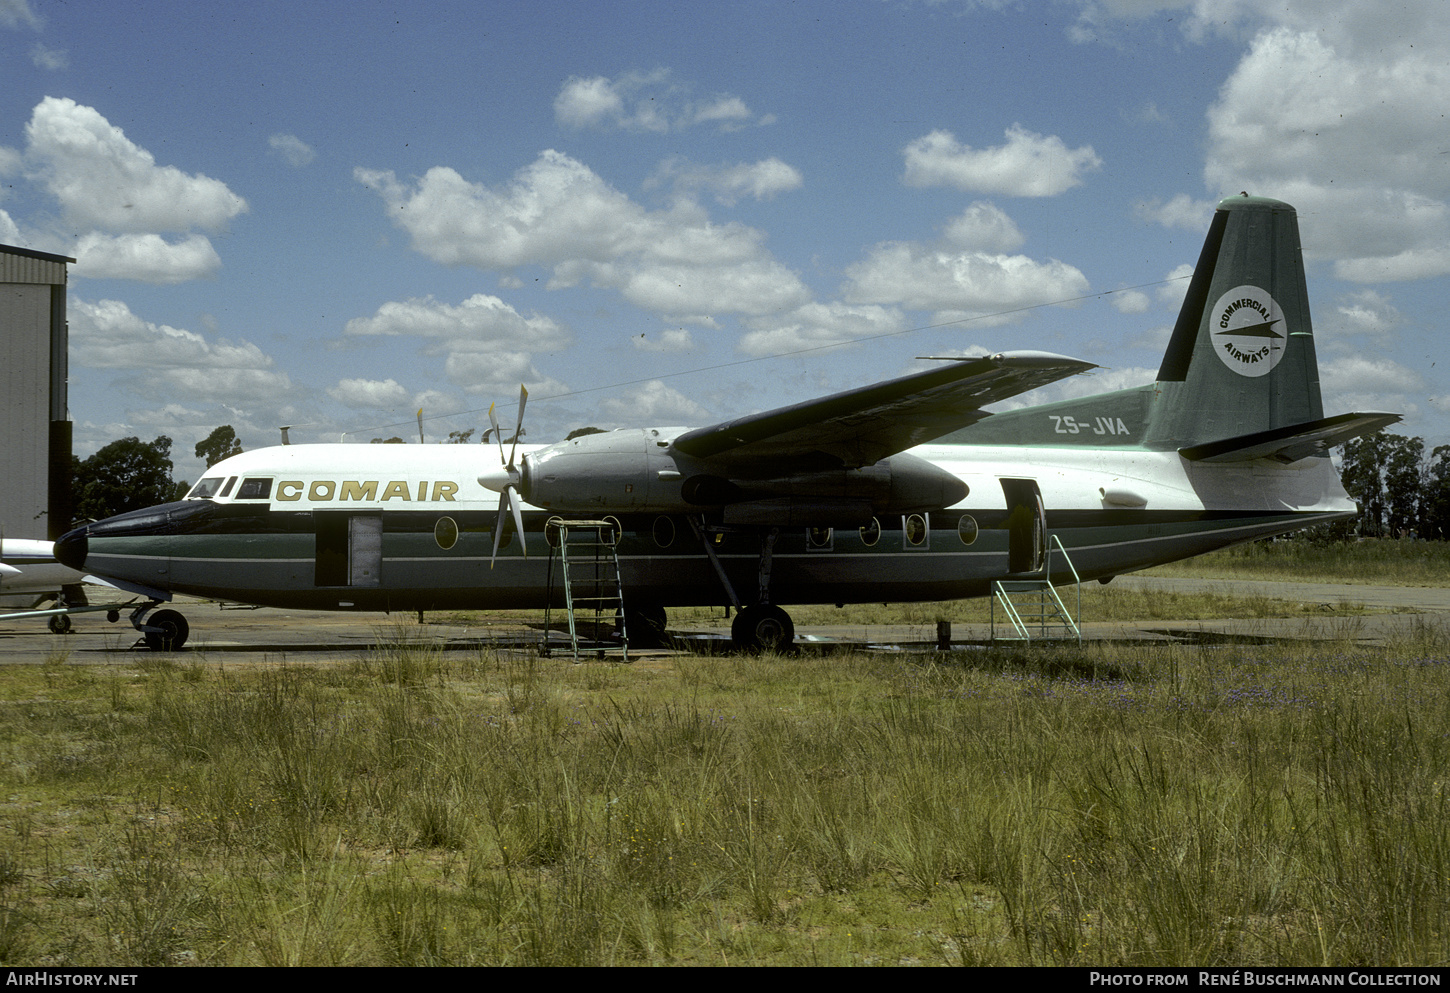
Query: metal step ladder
x,y
1034,604
584,560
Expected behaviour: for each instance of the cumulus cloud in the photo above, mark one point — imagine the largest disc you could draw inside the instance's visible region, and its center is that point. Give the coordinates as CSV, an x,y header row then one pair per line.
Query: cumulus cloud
x,y
369,394
480,323
959,285
498,374
728,183
654,403
820,325
1175,286
107,335
983,227
585,102
1366,312
248,386
1130,302
148,258
122,216
105,181
1360,375
489,345
1182,211
647,101
558,213
1028,165
1349,129
294,151
1335,106
1424,262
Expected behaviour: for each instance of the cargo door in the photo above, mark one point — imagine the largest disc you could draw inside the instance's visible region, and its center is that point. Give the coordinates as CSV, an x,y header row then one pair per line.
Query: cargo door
x,y
365,550
349,549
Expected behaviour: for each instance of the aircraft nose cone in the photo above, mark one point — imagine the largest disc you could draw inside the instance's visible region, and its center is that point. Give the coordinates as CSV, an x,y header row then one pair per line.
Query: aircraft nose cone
x,y
71,548
497,479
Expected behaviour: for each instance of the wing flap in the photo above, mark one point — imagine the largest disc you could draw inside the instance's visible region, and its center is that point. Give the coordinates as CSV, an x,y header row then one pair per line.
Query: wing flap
x,y
1292,443
862,426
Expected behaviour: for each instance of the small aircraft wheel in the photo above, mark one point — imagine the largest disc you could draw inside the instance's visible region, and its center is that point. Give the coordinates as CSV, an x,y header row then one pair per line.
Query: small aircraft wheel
x,y
59,624
764,628
646,627
113,616
171,631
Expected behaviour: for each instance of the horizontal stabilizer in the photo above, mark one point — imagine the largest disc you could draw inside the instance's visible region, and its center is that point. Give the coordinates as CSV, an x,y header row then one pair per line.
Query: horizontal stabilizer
x,y
1291,443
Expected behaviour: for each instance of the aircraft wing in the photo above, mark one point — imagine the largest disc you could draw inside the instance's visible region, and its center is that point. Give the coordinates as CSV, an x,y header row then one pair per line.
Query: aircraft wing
x,y
862,426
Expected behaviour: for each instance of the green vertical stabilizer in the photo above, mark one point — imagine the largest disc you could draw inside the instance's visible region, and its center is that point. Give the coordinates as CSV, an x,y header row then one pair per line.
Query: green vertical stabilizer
x,y
1241,360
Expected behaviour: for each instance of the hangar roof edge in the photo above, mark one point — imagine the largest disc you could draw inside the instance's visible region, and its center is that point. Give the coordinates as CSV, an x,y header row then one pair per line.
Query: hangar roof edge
x,y
31,253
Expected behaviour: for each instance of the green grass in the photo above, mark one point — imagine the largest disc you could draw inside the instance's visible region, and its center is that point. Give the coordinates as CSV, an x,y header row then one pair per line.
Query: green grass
x,y
1099,603
1098,805
1386,561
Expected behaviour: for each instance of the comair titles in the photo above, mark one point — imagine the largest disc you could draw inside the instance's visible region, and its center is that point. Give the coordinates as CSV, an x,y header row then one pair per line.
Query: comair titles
x,y
1248,331
367,490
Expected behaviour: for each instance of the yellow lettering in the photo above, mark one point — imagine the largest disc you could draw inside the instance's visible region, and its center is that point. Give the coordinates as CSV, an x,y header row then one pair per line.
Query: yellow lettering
x,y
353,490
423,490
444,490
321,490
282,488
396,488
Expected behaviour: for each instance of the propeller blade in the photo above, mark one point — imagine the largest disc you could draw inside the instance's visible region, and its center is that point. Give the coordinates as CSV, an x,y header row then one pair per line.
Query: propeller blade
x,y
503,499
518,428
420,425
516,503
498,435
508,498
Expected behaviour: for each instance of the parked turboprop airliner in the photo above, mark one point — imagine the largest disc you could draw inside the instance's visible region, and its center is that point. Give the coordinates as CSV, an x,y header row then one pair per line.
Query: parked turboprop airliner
x,y
904,490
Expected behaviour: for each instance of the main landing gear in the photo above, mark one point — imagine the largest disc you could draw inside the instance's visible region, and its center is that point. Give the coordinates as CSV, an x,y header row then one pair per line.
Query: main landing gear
x,y
762,628
758,627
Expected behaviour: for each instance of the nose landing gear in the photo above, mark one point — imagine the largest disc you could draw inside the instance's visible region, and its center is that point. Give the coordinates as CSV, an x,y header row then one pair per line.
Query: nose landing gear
x,y
164,631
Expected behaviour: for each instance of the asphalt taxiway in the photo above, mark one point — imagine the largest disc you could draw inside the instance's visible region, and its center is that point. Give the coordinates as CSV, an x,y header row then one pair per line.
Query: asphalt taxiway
x,y
227,634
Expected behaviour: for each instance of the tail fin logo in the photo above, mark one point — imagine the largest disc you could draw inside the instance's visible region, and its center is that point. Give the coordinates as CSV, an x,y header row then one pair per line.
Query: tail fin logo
x,y
1248,331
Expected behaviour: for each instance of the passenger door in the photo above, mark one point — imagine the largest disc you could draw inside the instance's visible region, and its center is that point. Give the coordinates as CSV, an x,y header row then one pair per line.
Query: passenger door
x,y
1026,527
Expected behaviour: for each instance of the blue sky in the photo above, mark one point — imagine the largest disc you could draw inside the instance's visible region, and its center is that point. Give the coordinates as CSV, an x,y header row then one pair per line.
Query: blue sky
x,y
330,215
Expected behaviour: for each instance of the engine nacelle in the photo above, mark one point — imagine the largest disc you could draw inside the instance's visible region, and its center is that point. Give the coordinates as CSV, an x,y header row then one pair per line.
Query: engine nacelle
x,y
618,471
634,471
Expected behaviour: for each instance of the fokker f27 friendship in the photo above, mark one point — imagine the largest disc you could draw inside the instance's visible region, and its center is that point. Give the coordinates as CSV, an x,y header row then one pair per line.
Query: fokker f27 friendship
x,y
904,490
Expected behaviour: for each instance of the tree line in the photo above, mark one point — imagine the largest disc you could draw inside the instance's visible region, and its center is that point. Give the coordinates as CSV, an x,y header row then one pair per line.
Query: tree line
x,y
1400,492
131,474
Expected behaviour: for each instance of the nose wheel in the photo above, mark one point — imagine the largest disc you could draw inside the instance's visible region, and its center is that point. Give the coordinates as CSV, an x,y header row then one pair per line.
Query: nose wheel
x,y
168,631
163,631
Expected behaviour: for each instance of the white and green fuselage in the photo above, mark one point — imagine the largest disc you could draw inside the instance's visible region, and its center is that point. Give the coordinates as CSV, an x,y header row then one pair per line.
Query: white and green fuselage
x,y
900,491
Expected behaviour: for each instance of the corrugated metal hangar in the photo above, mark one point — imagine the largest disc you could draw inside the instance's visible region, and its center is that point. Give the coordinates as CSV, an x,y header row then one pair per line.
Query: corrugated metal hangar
x,y
35,432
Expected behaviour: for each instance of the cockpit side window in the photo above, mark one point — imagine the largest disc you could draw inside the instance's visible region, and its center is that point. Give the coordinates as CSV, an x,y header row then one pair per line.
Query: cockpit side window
x,y
228,488
255,488
206,488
